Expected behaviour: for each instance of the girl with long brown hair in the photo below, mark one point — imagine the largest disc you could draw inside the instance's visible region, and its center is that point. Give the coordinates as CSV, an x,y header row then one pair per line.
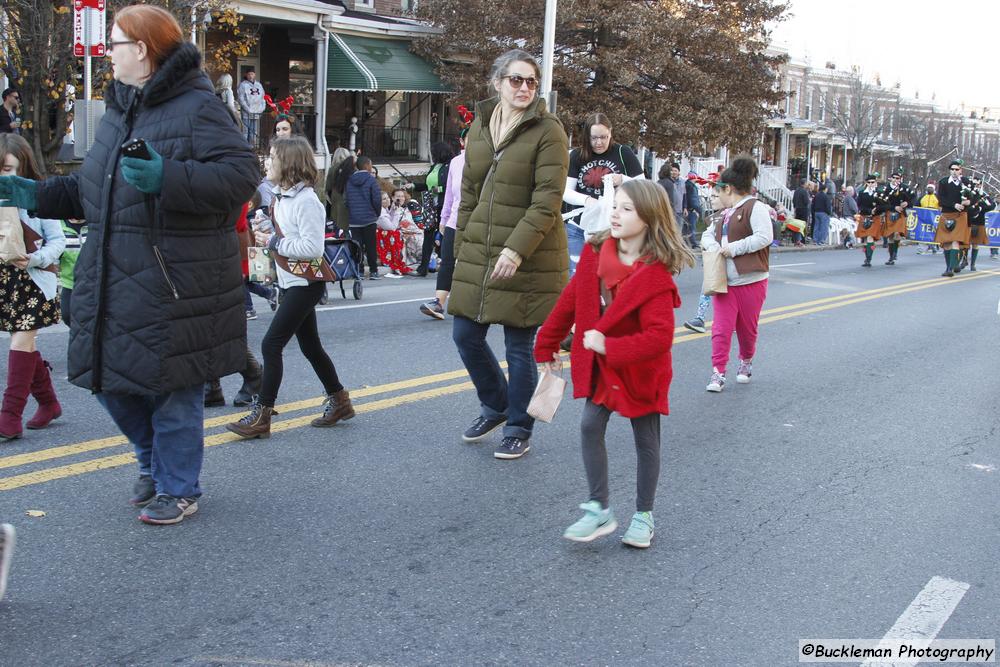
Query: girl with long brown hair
x,y
28,302
621,300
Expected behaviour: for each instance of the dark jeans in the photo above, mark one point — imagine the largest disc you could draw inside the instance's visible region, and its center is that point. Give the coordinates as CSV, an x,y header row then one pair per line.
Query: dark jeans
x,y
446,269
366,237
694,215
296,316
260,290
167,433
65,294
646,430
497,397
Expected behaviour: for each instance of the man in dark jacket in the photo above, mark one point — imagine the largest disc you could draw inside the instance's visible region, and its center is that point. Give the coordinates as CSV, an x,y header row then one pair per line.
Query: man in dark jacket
x,y
364,203
158,299
800,205
692,204
822,210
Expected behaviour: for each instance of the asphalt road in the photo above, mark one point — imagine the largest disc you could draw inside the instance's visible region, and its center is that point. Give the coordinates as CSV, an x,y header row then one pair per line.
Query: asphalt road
x,y
816,502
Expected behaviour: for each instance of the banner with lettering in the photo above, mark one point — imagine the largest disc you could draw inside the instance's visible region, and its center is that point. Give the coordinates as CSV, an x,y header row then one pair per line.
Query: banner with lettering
x,y
921,223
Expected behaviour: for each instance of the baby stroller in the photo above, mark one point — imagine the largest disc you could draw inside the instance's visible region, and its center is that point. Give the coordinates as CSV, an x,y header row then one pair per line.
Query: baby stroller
x,y
344,256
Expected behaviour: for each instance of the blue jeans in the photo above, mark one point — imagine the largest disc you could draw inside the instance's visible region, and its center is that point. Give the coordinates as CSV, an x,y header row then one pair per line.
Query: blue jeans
x,y
167,433
694,215
497,396
251,123
821,228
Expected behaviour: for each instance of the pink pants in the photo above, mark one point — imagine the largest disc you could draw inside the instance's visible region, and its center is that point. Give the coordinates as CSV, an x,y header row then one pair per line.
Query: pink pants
x,y
738,309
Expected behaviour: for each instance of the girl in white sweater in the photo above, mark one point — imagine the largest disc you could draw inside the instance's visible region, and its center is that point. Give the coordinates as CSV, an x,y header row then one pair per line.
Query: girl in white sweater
x,y
300,222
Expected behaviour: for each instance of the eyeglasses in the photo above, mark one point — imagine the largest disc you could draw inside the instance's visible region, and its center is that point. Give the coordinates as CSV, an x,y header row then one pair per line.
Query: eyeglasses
x,y
516,81
111,45
603,137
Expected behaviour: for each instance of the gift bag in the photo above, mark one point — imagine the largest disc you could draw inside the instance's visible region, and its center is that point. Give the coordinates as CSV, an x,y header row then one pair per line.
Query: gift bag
x,y
714,280
260,266
547,396
11,235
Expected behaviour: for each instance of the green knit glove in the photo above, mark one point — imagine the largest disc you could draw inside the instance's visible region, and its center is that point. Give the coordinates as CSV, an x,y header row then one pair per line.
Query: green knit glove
x,y
19,192
144,175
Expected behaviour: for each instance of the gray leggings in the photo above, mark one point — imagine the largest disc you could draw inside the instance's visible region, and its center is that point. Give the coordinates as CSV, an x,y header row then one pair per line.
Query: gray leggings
x,y
646,430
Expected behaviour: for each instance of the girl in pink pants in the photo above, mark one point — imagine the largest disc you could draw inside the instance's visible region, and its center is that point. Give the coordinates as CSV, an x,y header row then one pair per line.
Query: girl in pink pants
x,y
744,236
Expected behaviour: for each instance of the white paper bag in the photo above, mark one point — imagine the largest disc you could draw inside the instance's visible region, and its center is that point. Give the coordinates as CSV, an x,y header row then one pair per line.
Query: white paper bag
x,y
11,235
548,394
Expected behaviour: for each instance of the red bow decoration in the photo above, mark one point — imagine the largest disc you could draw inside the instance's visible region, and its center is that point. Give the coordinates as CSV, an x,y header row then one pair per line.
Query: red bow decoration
x,y
282,107
467,116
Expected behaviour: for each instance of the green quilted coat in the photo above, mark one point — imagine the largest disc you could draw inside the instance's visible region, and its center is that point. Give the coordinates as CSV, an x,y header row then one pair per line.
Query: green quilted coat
x,y
511,197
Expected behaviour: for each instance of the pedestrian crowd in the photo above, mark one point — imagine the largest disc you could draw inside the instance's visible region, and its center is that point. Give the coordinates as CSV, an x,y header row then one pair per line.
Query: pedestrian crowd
x,y
149,242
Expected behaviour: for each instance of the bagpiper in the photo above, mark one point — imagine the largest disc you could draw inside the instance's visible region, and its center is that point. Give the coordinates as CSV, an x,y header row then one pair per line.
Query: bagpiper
x,y
872,204
900,195
953,223
980,203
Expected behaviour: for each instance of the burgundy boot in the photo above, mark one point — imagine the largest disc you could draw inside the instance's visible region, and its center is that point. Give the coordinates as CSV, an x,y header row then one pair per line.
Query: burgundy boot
x,y
20,372
43,391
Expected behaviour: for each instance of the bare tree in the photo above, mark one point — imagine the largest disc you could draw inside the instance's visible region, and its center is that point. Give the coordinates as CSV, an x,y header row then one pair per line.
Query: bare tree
x,y
861,119
37,37
929,138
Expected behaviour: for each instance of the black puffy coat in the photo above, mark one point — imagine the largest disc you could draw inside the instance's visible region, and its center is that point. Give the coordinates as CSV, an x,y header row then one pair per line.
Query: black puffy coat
x,y
158,298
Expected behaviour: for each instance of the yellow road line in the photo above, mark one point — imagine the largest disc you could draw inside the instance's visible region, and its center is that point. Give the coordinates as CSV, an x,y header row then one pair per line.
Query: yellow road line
x,y
849,299
780,313
119,440
105,462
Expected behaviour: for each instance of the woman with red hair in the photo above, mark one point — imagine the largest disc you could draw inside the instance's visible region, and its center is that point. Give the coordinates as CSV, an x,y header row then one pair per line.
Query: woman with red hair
x,y
158,305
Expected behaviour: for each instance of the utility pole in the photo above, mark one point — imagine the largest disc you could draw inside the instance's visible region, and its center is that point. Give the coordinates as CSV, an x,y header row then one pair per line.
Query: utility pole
x,y
548,52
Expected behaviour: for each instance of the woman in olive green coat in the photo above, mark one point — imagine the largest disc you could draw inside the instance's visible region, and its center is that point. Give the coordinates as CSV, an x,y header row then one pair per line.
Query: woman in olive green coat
x,y
510,246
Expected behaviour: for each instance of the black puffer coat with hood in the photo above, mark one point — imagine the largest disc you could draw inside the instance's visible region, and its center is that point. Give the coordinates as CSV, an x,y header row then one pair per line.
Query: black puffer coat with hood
x,y
158,299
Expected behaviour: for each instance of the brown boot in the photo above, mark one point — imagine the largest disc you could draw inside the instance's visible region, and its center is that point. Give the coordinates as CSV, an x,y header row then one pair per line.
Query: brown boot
x,y
257,424
338,408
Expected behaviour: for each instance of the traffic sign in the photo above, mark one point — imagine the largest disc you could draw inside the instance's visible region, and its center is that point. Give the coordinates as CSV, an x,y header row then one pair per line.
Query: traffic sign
x,y
89,28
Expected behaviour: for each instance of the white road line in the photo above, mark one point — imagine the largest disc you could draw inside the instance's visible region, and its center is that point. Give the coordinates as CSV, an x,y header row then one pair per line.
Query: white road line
x,y
782,266
372,305
923,619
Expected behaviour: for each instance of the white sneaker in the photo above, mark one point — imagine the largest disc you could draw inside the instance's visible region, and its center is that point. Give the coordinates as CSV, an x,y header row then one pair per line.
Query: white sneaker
x,y
743,375
717,382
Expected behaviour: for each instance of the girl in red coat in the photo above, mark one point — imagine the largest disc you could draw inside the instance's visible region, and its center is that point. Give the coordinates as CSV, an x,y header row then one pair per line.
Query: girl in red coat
x,y
622,300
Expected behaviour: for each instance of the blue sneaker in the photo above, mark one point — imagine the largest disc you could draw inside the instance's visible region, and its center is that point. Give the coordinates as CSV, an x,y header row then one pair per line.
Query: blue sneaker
x,y
596,522
640,531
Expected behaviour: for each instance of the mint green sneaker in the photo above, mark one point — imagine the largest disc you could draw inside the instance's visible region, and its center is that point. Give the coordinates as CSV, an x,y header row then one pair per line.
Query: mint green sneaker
x,y
640,531
596,522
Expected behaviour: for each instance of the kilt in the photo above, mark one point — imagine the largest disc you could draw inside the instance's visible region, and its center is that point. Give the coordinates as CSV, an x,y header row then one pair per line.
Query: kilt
x,y
897,226
961,232
978,236
875,231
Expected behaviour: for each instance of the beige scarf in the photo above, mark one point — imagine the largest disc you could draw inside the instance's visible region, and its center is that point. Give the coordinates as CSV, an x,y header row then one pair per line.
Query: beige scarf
x,y
502,123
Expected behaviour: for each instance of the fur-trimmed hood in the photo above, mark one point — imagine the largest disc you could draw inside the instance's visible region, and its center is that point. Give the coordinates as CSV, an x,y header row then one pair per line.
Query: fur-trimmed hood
x,y
181,71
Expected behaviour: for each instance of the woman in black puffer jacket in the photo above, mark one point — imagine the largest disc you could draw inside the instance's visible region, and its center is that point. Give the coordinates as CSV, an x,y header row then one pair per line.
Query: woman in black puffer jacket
x,y
158,304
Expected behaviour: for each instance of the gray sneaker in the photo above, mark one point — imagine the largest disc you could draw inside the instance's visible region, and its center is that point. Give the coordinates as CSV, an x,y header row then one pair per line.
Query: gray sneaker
x,y
432,309
695,324
481,428
511,448
168,510
7,536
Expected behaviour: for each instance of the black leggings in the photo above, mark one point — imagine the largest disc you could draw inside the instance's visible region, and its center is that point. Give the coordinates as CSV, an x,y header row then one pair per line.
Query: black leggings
x,y
427,249
296,316
366,237
646,430
446,269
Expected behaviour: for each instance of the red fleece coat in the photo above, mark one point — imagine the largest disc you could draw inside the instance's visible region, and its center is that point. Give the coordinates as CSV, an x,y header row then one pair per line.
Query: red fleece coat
x,y
639,331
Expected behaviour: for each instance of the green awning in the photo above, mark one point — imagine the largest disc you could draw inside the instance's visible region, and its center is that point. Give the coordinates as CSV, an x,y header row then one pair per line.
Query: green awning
x,y
364,63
